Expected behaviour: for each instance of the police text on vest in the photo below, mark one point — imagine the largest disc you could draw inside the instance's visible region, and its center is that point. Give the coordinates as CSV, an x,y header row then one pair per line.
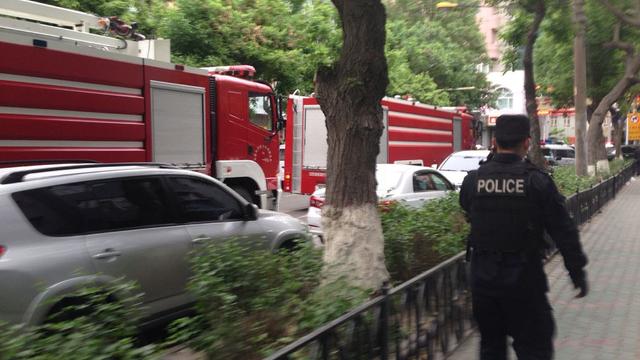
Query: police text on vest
x,y
501,186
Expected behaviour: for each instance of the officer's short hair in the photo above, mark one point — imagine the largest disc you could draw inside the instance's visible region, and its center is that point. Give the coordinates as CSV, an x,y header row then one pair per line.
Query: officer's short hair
x,y
511,130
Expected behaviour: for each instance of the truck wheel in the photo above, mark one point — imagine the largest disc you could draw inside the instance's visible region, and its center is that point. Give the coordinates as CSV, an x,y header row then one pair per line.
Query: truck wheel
x,y
244,193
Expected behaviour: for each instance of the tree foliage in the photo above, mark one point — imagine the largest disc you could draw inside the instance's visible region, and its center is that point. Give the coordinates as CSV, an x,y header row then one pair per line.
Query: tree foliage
x,y
554,62
440,48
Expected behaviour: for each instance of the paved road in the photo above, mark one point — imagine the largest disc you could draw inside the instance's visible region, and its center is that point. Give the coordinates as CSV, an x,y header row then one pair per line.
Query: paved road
x,y
606,324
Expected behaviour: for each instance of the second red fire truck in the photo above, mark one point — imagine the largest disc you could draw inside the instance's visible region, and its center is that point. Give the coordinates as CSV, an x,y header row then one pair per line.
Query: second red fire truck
x,y
414,134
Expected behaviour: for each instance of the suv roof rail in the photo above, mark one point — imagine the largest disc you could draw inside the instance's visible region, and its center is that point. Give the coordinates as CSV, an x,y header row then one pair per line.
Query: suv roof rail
x,y
18,176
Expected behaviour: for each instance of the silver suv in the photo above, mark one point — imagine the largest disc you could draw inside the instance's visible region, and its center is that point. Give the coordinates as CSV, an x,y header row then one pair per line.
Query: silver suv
x,y
64,226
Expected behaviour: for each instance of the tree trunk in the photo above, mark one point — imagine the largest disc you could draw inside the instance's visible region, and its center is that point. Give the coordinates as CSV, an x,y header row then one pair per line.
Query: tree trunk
x,y
349,93
595,136
535,154
580,86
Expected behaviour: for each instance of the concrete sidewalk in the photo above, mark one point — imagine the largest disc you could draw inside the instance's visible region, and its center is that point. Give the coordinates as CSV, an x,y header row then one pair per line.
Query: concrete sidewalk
x,y
606,324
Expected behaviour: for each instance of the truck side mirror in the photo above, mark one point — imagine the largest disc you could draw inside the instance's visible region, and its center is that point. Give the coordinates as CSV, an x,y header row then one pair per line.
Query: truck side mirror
x,y
281,121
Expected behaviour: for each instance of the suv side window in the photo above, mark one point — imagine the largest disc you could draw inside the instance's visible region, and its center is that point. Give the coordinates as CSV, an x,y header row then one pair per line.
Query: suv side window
x,y
97,206
127,203
199,201
48,213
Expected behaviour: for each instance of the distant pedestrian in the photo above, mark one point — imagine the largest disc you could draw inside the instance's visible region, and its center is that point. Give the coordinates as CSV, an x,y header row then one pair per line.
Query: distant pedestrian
x,y
510,203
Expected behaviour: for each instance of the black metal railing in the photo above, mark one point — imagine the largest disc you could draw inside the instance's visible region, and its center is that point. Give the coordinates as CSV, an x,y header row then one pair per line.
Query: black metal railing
x,y
427,316
418,319
583,205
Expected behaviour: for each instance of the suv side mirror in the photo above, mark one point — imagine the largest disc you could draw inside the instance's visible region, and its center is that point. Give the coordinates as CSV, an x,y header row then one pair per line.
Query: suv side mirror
x,y
250,212
558,157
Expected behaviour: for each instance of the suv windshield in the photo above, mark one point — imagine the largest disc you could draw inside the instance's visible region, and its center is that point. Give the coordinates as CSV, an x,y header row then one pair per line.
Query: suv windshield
x,y
461,163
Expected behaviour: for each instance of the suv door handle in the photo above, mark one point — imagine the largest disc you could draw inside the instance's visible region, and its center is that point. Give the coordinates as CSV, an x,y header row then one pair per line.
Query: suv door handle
x,y
201,240
107,254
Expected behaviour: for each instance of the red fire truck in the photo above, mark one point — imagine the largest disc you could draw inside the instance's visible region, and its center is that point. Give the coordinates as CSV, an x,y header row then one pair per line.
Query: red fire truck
x,y
414,134
66,93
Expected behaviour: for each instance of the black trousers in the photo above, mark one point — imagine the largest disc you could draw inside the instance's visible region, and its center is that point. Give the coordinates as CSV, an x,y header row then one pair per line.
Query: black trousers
x,y
529,321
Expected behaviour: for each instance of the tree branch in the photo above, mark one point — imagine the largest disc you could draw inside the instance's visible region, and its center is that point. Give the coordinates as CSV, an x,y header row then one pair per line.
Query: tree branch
x,y
633,21
627,47
616,43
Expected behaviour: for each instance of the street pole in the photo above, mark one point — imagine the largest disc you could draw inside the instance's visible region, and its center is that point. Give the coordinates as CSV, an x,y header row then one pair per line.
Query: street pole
x,y
580,86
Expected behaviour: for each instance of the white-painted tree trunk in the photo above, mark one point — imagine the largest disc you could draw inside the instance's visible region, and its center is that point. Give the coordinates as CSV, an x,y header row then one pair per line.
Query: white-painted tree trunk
x,y
355,246
602,167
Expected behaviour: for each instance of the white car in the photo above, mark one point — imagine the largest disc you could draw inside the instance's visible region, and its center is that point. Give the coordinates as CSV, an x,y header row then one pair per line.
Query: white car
x,y
559,154
457,165
409,184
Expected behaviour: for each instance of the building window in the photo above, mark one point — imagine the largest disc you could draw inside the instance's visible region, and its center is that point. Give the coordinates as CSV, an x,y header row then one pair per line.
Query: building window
x,y
505,99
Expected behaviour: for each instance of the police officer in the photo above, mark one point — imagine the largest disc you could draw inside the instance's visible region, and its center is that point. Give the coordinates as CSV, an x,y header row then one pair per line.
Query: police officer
x,y
510,203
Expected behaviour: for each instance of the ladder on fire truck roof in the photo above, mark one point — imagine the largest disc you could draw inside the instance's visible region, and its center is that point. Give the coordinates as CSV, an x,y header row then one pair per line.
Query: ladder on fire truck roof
x,y
24,18
50,14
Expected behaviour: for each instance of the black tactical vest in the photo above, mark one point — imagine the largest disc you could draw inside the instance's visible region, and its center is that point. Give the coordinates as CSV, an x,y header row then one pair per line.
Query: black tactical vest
x,y
503,215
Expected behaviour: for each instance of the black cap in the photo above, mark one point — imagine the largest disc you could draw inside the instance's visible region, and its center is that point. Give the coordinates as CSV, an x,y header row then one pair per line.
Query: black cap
x,y
512,127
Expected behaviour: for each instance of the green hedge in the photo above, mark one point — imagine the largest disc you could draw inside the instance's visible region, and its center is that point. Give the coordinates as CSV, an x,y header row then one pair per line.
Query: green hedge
x,y
99,327
569,183
251,302
418,239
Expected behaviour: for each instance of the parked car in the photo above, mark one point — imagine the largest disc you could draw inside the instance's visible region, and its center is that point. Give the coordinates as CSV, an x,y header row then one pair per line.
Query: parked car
x,y
408,184
611,151
67,225
559,154
456,166
628,151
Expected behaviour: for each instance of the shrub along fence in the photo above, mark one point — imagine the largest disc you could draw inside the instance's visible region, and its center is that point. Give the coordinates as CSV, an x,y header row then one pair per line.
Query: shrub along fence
x,y
427,316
